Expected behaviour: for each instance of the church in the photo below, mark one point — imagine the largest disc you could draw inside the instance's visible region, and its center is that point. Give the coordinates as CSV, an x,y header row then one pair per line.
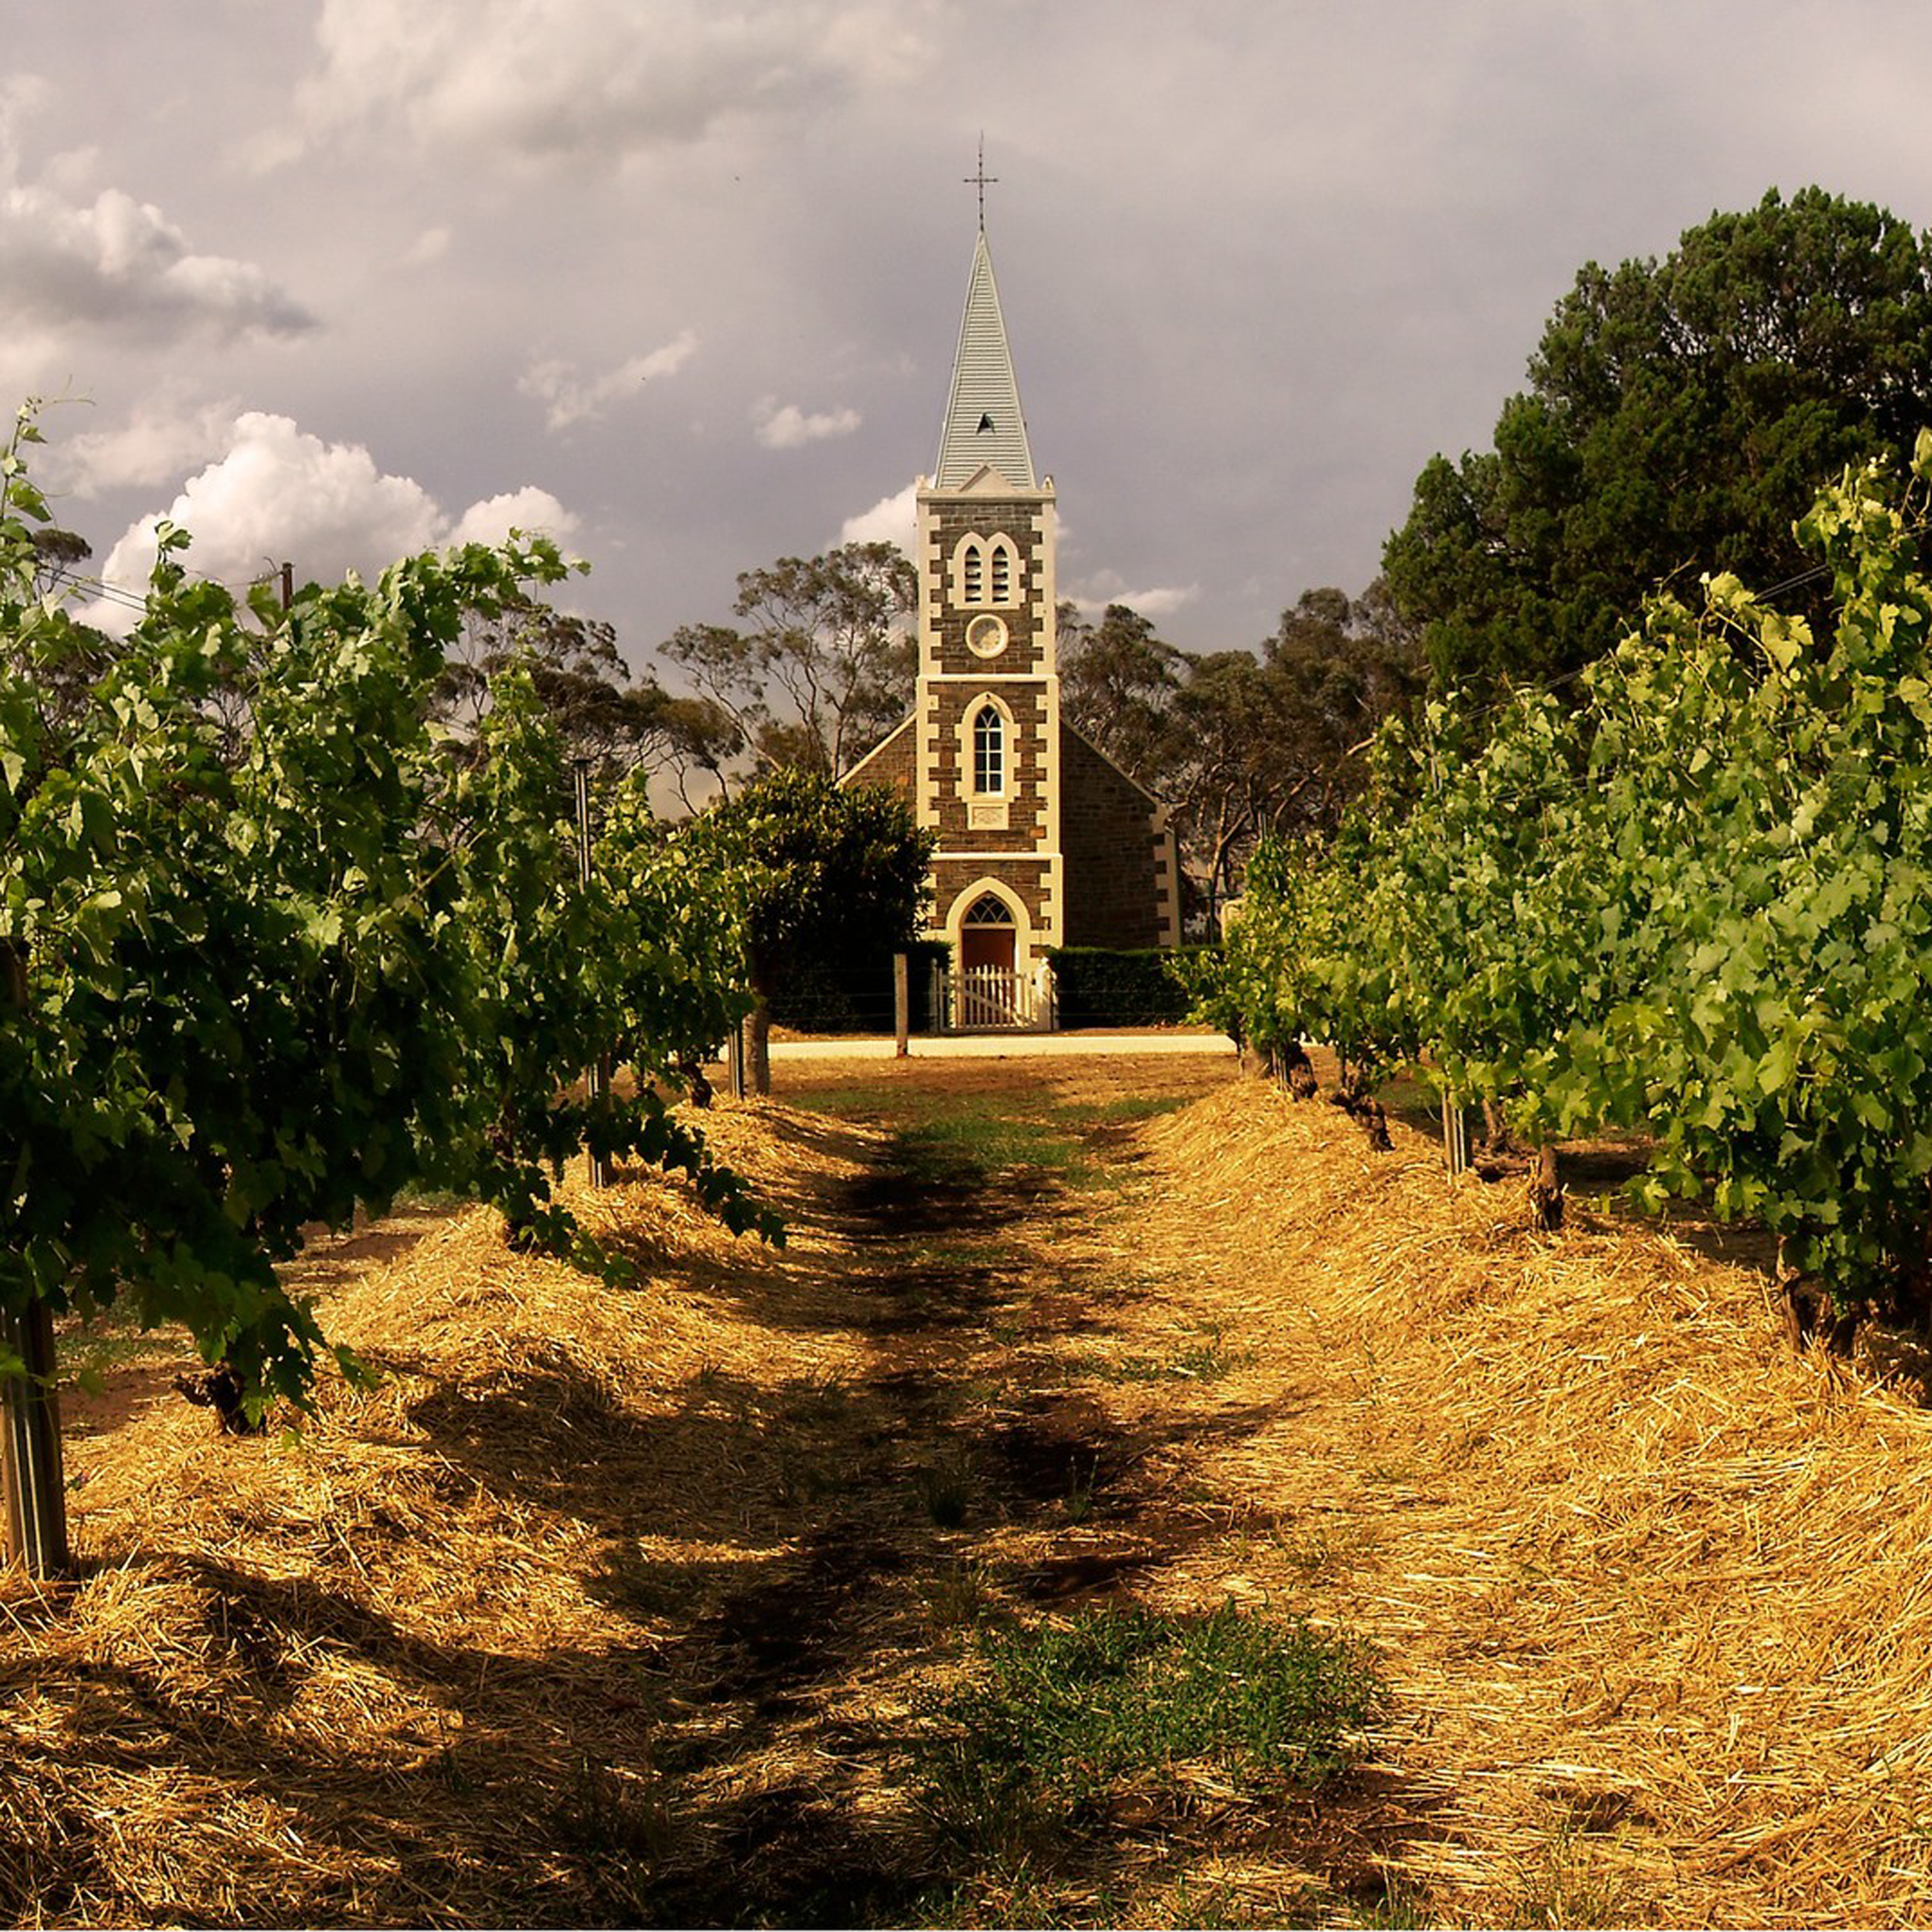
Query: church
x,y
1044,841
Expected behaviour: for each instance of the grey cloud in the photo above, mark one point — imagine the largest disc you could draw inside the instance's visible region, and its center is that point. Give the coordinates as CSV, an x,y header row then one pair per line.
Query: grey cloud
x,y
598,79
117,265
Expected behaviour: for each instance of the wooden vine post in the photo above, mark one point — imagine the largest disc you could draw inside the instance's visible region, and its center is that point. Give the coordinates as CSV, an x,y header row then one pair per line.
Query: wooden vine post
x,y
1455,1136
36,1499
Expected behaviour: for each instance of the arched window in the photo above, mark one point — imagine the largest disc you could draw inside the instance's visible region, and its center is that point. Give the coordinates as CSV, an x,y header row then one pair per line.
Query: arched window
x,y
972,573
987,910
989,752
1002,571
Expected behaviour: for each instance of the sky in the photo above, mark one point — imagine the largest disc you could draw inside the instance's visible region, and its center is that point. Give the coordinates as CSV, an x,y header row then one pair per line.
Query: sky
x,y
679,281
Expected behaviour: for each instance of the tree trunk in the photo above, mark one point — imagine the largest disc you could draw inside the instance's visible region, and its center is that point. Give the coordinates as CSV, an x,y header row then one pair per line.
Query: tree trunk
x,y
1547,1190
1497,1141
1298,1070
1811,1315
221,1390
36,1500
1355,1099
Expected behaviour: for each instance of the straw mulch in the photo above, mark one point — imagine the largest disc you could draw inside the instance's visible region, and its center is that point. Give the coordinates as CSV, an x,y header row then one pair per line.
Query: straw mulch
x,y
401,1668
1651,1589
1647,1587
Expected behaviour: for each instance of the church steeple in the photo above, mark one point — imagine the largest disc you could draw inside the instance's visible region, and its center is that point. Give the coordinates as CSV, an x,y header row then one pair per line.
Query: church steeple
x,y
983,421
1039,839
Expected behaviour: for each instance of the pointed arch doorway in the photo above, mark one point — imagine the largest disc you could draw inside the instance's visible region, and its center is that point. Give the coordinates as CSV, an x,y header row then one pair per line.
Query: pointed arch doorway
x,y
990,992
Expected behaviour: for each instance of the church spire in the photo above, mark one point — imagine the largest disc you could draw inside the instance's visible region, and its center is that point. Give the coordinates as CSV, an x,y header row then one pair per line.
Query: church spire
x,y
983,421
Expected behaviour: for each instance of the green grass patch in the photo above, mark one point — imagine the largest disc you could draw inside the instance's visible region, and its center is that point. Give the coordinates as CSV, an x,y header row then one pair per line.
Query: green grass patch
x,y
1128,1107
971,1144
1414,1098
1055,1723
431,1201
969,1139
847,1103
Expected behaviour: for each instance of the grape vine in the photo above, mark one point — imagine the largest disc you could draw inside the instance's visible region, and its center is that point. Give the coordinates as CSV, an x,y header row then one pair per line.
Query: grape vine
x,y
277,949
1698,906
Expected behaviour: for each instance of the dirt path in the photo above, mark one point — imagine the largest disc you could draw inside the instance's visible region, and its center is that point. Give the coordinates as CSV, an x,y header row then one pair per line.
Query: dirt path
x,y
982,1463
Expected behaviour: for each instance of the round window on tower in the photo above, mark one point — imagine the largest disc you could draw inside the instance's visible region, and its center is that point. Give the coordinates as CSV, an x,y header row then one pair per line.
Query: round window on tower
x,y
986,637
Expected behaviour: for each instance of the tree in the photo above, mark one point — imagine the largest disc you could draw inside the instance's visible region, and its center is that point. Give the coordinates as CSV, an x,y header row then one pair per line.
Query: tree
x,y
579,677
1340,666
1698,906
822,872
823,662
249,986
1226,776
1679,416
1117,680
1274,741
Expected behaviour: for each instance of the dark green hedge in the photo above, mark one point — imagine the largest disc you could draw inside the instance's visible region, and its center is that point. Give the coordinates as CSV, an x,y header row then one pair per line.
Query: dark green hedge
x,y
854,995
1100,987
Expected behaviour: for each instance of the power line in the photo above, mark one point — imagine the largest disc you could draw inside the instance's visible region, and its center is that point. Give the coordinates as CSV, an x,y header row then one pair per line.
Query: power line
x,y
120,594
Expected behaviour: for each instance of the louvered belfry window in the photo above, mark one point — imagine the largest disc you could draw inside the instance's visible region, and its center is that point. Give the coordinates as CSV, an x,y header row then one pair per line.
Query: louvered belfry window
x,y
1002,573
973,574
989,752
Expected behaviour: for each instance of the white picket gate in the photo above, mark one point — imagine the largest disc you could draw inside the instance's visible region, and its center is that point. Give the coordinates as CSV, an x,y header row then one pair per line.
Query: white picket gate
x,y
991,998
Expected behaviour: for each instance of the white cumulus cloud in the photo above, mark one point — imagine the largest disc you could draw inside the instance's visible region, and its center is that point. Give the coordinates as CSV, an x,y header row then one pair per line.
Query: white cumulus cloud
x,y
529,511
278,493
1108,586
892,519
569,397
163,438
787,426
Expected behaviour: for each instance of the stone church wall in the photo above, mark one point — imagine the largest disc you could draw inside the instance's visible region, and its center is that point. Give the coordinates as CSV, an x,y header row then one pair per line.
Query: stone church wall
x,y
1114,873
1024,618
1027,798
1025,878
893,761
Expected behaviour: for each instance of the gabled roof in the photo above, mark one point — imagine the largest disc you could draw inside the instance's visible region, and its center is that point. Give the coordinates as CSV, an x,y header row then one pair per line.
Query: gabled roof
x,y
983,421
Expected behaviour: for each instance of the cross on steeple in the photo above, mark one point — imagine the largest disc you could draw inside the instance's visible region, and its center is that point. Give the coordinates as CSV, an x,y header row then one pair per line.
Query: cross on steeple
x,y
980,180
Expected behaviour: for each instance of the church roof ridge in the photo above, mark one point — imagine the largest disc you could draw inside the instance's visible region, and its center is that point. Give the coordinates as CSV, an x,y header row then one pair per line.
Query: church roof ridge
x,y
984,424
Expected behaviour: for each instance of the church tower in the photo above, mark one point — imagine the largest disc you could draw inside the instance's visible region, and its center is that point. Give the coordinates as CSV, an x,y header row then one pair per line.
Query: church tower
x,y
1044,841
988,760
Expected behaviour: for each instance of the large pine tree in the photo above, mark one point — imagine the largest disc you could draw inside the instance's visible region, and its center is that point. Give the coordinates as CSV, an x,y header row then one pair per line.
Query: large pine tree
x,y
1680,417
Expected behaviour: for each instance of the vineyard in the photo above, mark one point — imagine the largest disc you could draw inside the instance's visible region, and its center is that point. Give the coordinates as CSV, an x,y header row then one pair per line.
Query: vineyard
x,y
1686,901
1107,1494
278,949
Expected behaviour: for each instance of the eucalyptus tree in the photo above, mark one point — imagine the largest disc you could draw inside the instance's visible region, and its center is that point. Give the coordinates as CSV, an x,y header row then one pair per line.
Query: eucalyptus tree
x,y
821,663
